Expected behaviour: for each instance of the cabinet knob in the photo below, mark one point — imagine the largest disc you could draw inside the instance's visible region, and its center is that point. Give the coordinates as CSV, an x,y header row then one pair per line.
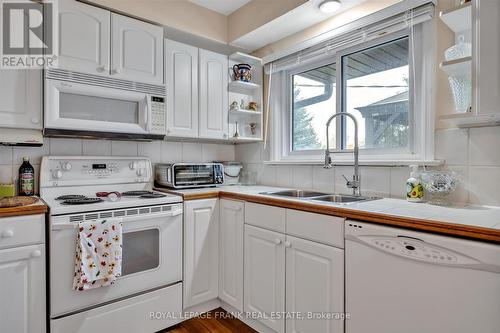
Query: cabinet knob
x,y
288,244
115,71
36,253
100,69
7,234
277,241
35,120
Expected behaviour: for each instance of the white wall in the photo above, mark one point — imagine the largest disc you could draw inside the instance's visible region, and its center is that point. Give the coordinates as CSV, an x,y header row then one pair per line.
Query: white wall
x,y
474,154
157,151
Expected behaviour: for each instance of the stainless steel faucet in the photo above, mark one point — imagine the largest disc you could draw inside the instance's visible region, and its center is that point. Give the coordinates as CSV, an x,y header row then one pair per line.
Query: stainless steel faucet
x,y
355,183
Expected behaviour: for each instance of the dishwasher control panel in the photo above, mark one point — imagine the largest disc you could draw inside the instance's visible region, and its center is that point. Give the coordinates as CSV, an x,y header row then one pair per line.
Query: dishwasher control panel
x,y
416,249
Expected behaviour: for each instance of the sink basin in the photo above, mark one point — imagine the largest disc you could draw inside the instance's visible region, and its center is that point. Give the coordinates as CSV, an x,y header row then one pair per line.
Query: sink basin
x,y
343,198
296,194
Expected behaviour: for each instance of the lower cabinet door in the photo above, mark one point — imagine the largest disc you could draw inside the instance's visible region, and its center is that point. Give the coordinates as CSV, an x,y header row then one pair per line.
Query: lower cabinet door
x,y
314,286
201,251
22,289
264,283
231,253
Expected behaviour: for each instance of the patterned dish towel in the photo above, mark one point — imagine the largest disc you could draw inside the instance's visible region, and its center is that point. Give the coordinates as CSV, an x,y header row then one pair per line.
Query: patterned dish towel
x,y
98,253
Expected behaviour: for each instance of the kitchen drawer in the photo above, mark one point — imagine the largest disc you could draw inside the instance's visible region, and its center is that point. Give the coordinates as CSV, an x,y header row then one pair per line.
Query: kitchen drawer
x,y
21,230
267,217
149,312
316,227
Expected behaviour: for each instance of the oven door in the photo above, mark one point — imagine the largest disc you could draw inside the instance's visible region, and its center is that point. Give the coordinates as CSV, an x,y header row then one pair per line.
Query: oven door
x,y
83,107
151,258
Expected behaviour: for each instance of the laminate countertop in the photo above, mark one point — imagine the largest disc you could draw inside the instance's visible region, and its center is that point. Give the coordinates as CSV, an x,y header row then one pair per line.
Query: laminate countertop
x,y
38,207
469,221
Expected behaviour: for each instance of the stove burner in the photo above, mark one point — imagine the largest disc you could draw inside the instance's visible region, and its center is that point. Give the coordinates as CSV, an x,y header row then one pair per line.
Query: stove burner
x,y
152,196
70,197
135,193
81,201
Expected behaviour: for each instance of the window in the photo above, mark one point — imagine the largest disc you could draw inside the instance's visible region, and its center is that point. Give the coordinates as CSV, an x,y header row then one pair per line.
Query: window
x,y
313,103
375,85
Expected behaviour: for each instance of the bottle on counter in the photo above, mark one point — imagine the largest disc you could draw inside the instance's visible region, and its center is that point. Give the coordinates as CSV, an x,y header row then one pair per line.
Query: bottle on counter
x,y
414,187
26,178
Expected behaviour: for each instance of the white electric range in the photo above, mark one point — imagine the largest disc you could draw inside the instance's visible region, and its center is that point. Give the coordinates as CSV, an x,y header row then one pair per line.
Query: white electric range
x,y
82,188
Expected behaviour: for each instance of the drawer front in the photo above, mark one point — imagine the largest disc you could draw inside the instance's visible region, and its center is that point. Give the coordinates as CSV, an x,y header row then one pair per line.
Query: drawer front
x,y
267,217
150,312
21,230
316,227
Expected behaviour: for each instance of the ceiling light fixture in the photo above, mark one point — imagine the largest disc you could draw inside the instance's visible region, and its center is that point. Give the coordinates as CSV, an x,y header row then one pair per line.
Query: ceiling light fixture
x,y
329,6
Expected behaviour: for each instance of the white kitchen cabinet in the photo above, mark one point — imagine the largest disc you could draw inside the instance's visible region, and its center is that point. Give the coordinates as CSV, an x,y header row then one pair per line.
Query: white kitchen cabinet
x,y
201,251
137,50
22,289
21,98
181,77
213,95
231,253
264,282
314,283
84,38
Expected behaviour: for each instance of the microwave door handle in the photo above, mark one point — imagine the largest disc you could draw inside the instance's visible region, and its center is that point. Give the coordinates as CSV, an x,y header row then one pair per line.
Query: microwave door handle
x,y
146,114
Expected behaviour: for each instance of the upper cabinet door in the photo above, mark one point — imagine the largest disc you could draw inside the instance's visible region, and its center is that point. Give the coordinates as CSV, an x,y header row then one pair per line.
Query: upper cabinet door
x,y
21,98
84,44
137,50
181,76
487,67
213,95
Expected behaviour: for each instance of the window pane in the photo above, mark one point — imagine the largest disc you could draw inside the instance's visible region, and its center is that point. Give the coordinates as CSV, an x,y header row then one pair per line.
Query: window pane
x,y
313,104
376,92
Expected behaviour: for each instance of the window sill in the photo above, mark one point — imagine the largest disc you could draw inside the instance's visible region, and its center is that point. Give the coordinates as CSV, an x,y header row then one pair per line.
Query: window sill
x,y
361,162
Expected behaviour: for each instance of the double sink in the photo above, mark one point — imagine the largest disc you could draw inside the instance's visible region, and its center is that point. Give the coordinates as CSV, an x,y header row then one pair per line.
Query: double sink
x,y
319,196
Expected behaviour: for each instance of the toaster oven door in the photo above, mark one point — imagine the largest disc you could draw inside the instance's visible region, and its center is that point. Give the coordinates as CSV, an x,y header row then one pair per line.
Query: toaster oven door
x,y
193,175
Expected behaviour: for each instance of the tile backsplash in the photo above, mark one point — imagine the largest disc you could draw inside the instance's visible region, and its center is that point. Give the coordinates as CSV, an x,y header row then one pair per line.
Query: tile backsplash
x,y
471,153
157,151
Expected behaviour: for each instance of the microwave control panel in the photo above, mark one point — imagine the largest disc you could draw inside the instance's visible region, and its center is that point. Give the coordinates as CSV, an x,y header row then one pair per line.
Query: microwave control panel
x,y
158,112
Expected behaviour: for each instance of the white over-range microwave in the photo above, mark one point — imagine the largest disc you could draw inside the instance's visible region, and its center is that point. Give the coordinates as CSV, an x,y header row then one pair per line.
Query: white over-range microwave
x,y
84,105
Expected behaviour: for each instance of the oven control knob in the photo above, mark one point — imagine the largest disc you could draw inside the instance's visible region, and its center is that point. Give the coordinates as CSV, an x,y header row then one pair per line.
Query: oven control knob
x,y
132,165
140,172
57,174
66,166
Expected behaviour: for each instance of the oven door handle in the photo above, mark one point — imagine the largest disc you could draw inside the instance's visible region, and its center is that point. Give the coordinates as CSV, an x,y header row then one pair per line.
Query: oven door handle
x,y
69,225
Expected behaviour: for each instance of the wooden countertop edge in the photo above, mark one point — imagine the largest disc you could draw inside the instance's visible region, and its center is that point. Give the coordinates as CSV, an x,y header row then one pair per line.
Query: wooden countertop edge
x,y
23,210
444,228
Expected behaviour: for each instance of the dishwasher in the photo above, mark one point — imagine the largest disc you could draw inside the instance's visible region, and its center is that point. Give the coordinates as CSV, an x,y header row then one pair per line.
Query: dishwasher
x,y
401,281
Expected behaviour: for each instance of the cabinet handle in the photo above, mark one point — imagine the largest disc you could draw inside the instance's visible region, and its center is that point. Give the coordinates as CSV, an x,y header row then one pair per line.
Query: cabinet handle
x,y
288,244
36,253
7,234
35,120
277,241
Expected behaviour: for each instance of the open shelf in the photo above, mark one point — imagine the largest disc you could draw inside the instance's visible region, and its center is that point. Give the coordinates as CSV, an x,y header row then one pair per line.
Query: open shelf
x,y
245,112
469,119
245,59
242,85
245,139
458,18
462,66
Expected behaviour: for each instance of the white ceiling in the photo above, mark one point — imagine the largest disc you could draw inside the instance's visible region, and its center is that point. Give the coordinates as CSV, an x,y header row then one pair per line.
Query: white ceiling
x,y
294,21
225,7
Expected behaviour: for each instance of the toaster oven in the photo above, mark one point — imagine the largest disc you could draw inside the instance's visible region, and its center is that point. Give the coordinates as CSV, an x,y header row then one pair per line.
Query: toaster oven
x,y
189,175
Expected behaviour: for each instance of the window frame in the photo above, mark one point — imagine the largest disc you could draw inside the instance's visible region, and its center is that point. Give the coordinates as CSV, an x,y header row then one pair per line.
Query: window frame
x,y
421,81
